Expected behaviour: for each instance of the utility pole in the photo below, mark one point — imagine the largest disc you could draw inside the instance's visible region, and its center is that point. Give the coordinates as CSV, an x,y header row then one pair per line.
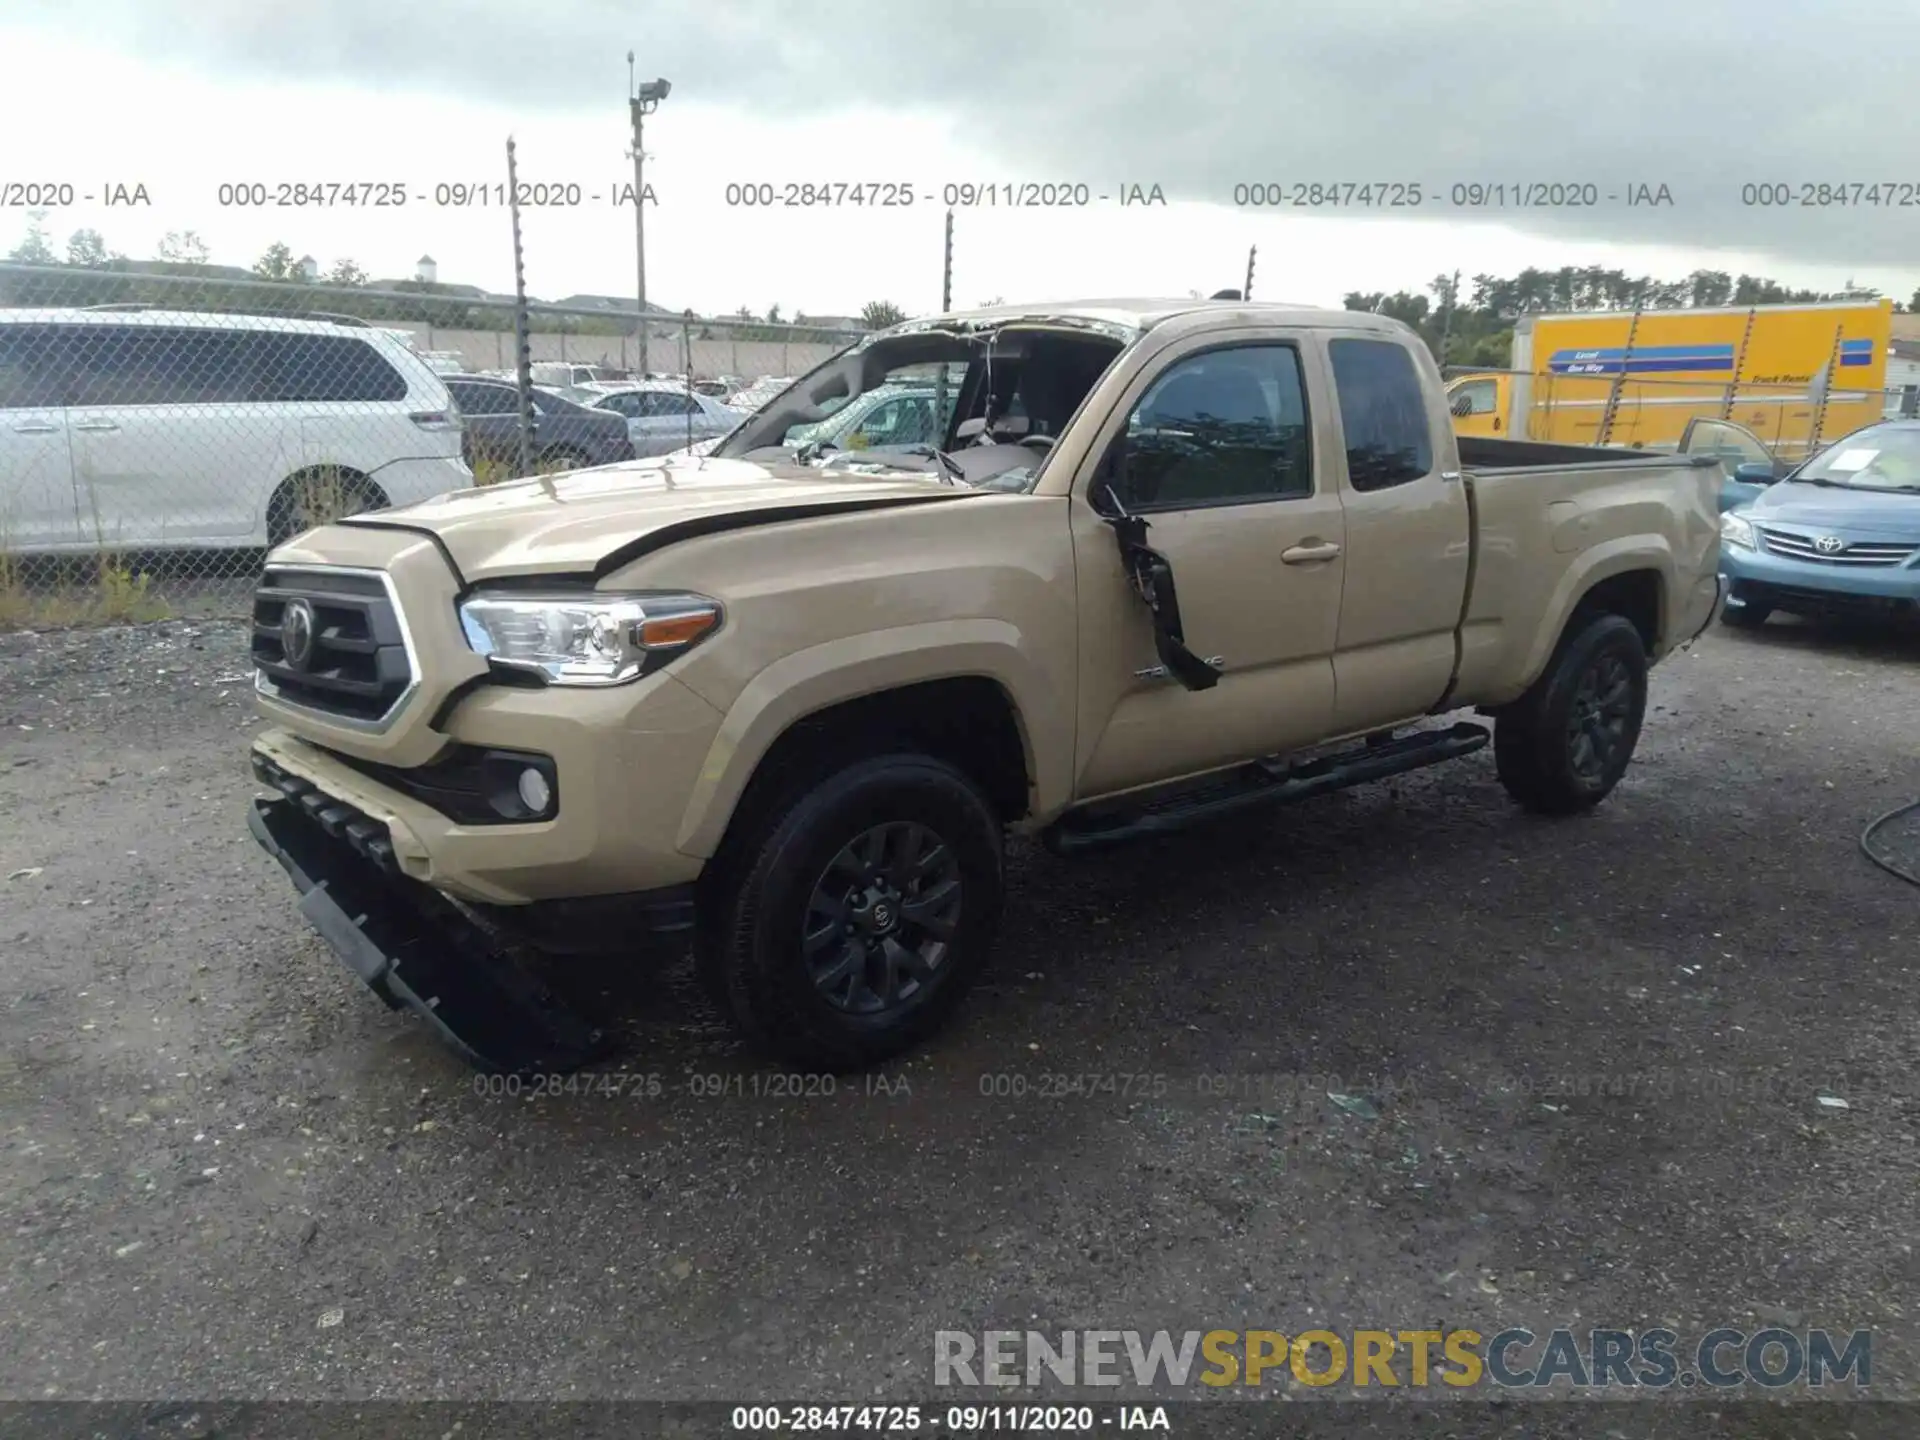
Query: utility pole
x,y
1446,325
946,304
642,101
946,270
1246,291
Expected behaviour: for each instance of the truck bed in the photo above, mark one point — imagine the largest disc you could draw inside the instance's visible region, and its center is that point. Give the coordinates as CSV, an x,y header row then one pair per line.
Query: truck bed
x,y
1606,511
1482,453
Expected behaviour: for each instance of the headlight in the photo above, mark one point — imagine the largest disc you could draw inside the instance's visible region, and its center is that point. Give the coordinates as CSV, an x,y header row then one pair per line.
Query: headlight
x,y
587,639
1735,529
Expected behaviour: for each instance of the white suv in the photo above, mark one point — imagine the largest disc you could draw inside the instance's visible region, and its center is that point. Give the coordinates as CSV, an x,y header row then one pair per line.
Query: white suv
x,y
155,429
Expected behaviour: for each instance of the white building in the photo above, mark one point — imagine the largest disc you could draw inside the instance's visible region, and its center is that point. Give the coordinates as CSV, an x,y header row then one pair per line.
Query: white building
x,y
1903,377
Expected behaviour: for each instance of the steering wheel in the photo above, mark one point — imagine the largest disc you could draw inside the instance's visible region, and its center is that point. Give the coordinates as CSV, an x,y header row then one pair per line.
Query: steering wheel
x,y
1038,442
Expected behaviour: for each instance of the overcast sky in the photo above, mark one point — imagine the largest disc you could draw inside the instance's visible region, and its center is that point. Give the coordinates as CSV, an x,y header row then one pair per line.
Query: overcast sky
x,y
1195,97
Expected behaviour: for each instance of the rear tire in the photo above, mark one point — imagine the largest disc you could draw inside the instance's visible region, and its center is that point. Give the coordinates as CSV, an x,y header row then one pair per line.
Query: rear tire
x,y
1563,746
857,913
318,497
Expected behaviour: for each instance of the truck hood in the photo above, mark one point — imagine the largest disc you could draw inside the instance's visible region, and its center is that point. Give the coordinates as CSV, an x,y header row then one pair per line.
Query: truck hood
x,y
592,521
1825,507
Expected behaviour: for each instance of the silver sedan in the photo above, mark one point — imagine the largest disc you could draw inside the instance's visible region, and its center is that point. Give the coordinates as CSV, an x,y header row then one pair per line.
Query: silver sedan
x,y
667,417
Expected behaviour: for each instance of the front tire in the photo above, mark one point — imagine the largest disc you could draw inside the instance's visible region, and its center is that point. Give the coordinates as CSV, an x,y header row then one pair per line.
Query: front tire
x,y
1563,746
860,913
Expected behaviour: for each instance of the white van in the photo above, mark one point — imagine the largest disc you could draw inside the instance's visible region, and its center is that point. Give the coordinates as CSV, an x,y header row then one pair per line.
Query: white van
x,y
142,429
561,375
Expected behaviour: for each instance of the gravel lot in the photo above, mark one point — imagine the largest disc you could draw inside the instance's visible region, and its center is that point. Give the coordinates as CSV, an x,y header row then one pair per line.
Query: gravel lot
x,y
1580,1064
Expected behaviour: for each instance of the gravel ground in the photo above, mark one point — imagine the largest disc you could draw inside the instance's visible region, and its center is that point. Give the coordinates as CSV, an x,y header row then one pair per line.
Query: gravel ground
x,y
1579,1066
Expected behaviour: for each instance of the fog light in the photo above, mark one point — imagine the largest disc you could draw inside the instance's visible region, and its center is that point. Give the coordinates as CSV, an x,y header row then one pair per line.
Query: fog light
x,y
535,793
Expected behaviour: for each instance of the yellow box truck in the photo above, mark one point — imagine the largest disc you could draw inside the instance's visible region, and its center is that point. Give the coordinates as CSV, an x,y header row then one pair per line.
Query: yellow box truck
x,y
1795,375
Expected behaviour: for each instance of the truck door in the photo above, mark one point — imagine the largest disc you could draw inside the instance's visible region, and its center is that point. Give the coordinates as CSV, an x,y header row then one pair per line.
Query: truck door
x,y
1408,540
1479,405
1219,448
1742,456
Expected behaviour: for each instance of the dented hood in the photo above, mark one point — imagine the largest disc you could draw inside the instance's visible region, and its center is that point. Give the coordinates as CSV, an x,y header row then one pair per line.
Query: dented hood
x,y
592,521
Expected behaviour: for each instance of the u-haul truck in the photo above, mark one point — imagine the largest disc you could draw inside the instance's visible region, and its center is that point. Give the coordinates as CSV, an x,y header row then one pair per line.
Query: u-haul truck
x,y
1795,375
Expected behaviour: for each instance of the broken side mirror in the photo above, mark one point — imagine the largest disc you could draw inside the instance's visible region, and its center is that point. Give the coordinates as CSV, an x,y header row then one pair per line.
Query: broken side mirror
x,y
1110,480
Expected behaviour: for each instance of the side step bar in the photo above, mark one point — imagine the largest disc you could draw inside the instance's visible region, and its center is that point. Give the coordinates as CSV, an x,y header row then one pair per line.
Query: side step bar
x,y
1264,782
415,950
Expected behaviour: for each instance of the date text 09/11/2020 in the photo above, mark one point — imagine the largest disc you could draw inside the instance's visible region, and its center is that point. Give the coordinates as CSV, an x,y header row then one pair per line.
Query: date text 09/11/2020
x,y
758,194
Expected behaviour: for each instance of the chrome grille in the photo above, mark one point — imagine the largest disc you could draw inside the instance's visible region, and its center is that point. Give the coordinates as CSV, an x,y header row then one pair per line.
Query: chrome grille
x,y
1859,552
358,669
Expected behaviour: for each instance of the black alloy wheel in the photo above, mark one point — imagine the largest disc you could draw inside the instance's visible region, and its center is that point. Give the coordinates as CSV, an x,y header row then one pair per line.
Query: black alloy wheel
x,y
882,917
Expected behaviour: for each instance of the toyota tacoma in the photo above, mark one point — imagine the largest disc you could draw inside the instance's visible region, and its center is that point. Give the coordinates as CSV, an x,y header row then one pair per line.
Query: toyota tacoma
x,y
1162,561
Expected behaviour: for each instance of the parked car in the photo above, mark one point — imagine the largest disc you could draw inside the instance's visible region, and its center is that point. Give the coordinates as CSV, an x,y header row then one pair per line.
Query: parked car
x,y
1747,463
1838,535
567,435
662,417
888,415
798,711
159,429
752,397
565,375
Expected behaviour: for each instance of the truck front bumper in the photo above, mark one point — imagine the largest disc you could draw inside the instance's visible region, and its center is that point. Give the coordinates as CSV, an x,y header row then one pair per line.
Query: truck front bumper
x,y
1760,579
417,951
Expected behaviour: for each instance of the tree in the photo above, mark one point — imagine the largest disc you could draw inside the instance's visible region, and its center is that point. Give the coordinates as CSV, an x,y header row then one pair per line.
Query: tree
x,y
743,313
278,263
879,314
773,315
87,247
1710,287
345,272
33,248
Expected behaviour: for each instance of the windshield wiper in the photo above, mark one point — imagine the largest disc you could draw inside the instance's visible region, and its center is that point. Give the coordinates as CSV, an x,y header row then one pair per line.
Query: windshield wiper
x,y
1869,489
933,452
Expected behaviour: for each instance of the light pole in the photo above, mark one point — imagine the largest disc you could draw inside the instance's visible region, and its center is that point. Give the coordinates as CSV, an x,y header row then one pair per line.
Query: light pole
x,y
643,101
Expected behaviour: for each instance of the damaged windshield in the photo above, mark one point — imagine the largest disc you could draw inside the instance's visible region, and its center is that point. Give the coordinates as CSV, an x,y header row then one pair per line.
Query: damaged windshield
x,y
974,405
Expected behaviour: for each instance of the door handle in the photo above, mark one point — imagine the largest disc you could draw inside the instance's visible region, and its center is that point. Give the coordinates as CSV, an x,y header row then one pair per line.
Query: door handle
x,y
96,425
1309,554
35,429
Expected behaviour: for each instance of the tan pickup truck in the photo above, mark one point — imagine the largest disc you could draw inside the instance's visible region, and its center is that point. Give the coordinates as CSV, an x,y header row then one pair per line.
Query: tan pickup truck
x,y
1151,562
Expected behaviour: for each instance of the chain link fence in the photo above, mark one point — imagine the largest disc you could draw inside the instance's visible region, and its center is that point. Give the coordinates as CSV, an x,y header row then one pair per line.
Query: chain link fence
x,y
160,431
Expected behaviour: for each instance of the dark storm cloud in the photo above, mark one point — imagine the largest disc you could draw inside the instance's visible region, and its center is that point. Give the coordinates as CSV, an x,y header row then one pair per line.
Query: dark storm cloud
x,y
1200,95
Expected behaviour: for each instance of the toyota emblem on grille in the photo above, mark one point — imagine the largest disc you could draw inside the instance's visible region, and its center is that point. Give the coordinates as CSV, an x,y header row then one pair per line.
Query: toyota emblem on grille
x,y
296,634
1829,544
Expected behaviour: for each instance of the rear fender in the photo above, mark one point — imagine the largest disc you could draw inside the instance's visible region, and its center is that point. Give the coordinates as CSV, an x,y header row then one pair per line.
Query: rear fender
x,y
1591,567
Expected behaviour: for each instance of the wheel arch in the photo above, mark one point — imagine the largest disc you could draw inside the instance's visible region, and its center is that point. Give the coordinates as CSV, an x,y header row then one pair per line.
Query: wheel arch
x,y
1632,577
281,494
961,690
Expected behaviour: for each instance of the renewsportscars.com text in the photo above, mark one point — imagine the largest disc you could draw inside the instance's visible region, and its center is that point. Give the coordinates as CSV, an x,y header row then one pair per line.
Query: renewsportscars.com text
x,y
1517,1358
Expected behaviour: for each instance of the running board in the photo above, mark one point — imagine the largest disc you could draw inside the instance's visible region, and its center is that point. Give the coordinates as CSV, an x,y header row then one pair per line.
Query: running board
x,y
1263,782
